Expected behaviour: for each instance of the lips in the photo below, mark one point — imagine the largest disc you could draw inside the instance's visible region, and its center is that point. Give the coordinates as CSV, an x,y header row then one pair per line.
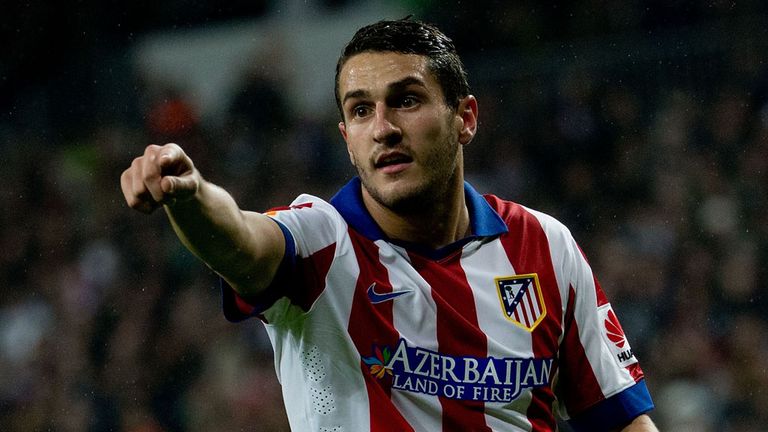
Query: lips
x,y
391,159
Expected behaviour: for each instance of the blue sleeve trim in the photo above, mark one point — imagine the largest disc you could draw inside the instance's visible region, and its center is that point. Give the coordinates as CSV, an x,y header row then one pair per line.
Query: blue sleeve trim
x,y
615,411
271,294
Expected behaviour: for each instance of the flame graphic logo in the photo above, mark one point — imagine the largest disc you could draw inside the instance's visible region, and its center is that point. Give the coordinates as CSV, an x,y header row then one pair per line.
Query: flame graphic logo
x,y
614,331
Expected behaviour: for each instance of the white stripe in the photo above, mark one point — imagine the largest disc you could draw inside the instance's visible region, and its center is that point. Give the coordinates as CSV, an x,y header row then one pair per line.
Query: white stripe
x,y
415,318
334,374
482,266
562,263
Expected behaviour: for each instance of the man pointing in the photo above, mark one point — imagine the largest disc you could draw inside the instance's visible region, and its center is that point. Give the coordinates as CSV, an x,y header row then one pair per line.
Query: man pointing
x,y
409,302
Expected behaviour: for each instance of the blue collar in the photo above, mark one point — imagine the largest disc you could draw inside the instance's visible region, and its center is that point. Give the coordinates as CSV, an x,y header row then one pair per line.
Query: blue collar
x,y
483,219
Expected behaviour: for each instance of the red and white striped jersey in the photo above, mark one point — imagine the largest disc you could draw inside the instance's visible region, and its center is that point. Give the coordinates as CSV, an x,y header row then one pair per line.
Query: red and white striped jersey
x,y
503,331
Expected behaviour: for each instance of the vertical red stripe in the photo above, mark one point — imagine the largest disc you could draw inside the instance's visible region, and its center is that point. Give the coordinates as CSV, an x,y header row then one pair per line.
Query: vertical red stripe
x,y
458,332
371,325
528,251
580,384
315,270
601,298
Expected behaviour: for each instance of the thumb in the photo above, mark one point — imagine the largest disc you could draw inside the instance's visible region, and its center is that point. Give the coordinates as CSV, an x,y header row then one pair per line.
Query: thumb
x,y
179,188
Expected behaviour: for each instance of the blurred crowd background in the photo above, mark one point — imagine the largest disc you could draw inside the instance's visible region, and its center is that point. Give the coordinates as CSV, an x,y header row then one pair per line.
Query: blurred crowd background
x,y
641,124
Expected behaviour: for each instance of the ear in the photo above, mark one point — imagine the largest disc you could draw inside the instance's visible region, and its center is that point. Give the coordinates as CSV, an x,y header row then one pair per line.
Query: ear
x,y
466,119
343,130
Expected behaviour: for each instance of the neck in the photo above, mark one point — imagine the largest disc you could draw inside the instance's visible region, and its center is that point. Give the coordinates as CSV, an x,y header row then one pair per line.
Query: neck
x,y
439,222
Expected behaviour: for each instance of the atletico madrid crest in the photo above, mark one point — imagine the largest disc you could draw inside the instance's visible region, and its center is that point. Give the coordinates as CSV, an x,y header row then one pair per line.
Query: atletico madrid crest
x,y
521,300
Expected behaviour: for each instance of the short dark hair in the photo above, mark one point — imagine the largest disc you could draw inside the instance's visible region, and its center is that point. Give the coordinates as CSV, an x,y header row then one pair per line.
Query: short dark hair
x,y
408,36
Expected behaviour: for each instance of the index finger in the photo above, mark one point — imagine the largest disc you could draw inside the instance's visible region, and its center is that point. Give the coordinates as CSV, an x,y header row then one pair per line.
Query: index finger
x,y
171,154
150,172
137,199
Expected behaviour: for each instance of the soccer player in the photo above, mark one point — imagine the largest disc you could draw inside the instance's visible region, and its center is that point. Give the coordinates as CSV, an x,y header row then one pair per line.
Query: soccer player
x,y
409,302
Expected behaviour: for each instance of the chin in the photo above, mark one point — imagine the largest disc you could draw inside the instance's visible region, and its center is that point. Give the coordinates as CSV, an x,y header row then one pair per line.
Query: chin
x,y
402,197
407,204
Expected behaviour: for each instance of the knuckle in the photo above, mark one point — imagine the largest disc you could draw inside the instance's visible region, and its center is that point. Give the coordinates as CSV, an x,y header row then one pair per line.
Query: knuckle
x,y
172,150
133,202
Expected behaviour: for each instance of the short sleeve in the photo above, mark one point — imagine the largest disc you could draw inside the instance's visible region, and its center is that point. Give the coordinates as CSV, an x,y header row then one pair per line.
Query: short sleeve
x,y
311,228
237,309
601,382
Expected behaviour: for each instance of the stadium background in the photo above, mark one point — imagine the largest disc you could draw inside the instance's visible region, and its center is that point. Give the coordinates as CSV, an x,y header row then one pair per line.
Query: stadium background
x,y
642,124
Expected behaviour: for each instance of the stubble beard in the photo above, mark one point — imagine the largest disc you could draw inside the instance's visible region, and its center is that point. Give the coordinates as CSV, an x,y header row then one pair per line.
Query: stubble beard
x,y
440,171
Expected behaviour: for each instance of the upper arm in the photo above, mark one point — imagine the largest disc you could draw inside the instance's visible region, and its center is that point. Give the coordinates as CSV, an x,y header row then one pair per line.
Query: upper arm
x,y
641,423
602,379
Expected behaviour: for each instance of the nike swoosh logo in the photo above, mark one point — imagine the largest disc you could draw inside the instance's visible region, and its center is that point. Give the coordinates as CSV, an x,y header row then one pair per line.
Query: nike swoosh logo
x,y
377,298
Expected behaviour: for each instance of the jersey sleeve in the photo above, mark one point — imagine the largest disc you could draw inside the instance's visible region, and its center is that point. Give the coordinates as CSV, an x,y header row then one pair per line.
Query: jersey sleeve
x,y
600,383
311,228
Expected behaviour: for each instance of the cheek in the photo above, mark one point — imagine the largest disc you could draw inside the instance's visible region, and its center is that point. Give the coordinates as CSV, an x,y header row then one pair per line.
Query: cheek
x,y
439,134
349,140
425,130
356,156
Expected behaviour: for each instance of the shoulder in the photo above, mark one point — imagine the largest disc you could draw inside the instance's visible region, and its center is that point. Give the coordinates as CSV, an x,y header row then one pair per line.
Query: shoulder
x,y
305,206
311,222
518,216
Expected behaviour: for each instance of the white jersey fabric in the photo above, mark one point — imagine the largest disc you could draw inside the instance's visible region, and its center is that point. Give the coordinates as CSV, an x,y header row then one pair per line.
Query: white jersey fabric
x,y
503,331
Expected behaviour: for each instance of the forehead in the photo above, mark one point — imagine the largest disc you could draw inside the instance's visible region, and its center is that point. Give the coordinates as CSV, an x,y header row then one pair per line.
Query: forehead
x,y
371,71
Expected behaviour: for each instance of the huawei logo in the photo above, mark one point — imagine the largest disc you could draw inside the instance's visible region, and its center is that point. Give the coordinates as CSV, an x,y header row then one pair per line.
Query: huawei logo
x,y
614,331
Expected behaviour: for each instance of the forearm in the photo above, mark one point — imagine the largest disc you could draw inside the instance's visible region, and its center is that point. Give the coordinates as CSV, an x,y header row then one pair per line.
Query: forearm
x,y
245,248
642,423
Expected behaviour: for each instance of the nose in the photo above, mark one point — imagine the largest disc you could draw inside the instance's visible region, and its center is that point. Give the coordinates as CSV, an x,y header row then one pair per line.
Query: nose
x,y
385,130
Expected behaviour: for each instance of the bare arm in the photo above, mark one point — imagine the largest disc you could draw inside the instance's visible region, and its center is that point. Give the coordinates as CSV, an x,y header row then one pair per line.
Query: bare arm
x,y
245,248
641,423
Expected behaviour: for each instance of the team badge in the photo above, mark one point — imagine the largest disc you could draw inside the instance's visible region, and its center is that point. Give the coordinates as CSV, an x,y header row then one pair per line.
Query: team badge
x,y
521,300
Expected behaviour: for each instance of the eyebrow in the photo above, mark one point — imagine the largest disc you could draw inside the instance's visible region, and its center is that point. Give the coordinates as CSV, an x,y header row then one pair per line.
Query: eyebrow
x,y
392,87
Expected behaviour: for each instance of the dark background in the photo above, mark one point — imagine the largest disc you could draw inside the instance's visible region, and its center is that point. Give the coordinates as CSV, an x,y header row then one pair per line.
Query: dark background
x,y
643,125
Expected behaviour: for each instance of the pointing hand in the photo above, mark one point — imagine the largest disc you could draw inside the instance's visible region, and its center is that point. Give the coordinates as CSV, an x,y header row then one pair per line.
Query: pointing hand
x,y
164,175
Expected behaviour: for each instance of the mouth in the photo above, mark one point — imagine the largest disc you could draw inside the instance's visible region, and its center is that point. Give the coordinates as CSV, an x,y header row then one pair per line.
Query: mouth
x,y
392,162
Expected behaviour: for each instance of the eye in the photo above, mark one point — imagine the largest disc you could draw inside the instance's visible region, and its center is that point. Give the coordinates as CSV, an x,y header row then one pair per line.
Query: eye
x,y
408,101
360,110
